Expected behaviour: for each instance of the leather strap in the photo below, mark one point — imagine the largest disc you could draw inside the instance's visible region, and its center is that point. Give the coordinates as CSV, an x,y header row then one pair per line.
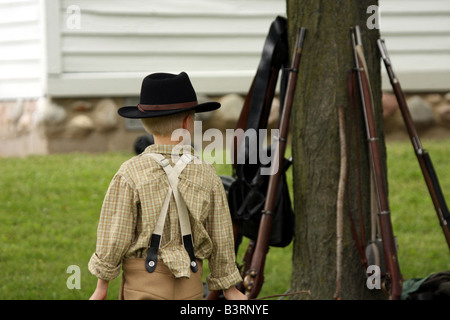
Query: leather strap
x,y
162,107
273,56
256,110
155,241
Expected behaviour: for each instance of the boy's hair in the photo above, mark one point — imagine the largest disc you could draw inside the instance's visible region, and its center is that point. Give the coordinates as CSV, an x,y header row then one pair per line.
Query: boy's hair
x,y
164,126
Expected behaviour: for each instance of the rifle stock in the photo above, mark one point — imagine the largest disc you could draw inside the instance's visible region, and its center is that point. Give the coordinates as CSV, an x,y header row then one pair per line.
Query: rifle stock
x,y
393,281
255,274
422,155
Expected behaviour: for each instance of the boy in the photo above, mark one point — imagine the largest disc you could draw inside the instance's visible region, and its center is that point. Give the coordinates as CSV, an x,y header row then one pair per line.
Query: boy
x,y
165,211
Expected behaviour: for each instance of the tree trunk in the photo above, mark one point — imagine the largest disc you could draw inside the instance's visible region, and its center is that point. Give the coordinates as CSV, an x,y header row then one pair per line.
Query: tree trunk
x,y
322,86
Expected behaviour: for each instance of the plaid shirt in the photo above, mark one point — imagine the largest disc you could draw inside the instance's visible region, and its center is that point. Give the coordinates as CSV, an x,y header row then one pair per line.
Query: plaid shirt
x,y
131,208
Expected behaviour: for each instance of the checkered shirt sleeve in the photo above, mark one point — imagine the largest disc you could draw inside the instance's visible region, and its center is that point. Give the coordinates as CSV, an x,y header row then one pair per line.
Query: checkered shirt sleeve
x,y
115,229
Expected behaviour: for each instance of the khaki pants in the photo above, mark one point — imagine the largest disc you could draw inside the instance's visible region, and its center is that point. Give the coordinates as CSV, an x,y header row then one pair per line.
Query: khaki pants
x,y
138,284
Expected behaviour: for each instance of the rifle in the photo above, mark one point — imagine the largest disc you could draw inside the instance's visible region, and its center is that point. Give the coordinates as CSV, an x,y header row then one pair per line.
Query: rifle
x,y
423,157
393,279
255,276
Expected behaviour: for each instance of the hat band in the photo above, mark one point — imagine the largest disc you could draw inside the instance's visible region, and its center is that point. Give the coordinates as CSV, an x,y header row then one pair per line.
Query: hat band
x,y
164,107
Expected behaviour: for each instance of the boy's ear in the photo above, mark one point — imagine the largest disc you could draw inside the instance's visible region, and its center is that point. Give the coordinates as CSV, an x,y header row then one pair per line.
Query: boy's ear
x,y
186,121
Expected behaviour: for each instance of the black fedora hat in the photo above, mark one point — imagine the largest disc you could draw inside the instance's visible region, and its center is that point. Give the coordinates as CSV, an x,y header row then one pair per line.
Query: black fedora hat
x,y
164,94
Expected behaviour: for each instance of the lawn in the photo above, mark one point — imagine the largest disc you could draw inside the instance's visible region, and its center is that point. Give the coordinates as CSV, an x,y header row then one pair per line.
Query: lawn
x,y
49,208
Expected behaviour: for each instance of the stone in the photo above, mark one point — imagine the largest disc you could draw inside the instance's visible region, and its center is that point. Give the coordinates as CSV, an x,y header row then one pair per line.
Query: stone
x,y
10,114
274,115
227,115
105,115
49,113
390,105
421,112
79,127
443,113
433,98
16,111
447,97
28,118
81,106
231,107
3,121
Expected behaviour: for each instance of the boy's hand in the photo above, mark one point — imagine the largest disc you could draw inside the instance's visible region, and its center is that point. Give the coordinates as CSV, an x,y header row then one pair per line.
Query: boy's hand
x,y
101,291
98,295
232,293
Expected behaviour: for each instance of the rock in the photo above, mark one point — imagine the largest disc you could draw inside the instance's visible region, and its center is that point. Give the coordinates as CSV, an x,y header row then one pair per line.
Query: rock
x,y
3,122
433,98
227,115
443,113
447,97
49,113
81,106
105,115
10,114
421,112
274,115
231,107
26,122
390,104
79,127
16,111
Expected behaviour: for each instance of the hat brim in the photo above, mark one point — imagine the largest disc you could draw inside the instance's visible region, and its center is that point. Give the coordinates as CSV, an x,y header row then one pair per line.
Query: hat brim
x,y
132,112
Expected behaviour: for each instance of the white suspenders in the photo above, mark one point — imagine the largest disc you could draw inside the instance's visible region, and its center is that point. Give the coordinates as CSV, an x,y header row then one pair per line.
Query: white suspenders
x,y
155,241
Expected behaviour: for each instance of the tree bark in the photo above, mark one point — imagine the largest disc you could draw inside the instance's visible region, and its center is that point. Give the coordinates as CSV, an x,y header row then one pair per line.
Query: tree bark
x,y
321,88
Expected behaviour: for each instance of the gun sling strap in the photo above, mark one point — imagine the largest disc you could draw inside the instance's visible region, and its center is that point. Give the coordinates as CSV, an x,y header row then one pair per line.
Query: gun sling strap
x,y
155,241
256,109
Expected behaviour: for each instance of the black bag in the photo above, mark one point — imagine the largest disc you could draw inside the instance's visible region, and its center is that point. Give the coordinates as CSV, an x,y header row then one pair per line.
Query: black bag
x,y
247,188
434,287
142,143
246,200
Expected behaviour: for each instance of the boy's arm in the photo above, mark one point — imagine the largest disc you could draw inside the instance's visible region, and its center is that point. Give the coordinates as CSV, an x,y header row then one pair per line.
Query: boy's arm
x,y
222,262
232,293
101,291
115,229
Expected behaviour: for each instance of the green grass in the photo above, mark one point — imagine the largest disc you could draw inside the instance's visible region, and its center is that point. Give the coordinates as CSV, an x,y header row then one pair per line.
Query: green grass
x,y
422,246
49,209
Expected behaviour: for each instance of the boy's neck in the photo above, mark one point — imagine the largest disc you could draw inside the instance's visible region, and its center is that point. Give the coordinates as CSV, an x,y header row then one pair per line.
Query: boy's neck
x,y
164,140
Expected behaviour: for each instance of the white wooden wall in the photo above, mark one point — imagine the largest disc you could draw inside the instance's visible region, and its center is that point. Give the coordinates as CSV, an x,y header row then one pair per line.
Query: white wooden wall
x,y
21,49
218,42
417,35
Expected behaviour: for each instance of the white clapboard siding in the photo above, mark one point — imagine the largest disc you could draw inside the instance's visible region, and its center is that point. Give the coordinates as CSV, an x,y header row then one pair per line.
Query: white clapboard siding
x,y
417,35
21,49
218,42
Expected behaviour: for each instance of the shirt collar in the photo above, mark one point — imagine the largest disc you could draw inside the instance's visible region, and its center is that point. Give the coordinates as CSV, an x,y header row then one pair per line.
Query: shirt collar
x,y
167,149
